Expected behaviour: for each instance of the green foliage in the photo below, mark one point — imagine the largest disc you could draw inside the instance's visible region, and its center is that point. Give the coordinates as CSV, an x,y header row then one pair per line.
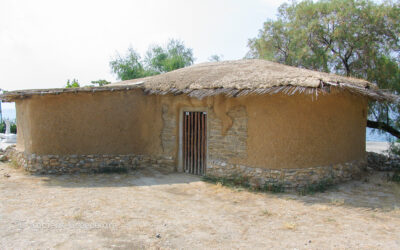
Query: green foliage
x,y
100,82
158,60
357,38
215,58
72,84
231,181
394,148
128,66
317,187
238,181
396,176
274,187
13,127
164,59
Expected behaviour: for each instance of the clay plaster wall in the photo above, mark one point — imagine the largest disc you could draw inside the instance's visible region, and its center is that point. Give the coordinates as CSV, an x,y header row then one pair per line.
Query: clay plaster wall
x,y
282,131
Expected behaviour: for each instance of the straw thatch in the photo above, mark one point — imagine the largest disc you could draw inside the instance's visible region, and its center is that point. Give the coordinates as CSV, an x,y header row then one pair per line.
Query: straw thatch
x,y
232,78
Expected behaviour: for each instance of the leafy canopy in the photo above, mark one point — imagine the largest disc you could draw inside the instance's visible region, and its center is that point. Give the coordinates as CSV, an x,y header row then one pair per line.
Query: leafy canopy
x,y
173,56
72,84
128,66
158,60
215,58
358,38
100,82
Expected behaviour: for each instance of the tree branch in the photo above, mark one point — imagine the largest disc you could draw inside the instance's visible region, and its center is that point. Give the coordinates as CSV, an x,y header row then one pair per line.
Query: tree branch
x,y
383,126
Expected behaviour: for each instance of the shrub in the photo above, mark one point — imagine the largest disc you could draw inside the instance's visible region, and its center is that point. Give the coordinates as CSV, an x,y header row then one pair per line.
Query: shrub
x,y
244,182
13,127
274,187
396,176
313,188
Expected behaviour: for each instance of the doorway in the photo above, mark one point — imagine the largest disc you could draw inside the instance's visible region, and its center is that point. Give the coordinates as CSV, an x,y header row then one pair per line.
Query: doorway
x,y
194,140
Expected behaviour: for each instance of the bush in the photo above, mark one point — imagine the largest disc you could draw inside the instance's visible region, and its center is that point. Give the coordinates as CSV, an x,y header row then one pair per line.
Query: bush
x,y
317,187
13,127
238,181
274,187
396,176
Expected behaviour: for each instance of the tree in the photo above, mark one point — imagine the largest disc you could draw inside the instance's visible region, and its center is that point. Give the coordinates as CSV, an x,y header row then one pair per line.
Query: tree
x,y
215,58
101,82
358,38
72,84
158,60
164,59
128,66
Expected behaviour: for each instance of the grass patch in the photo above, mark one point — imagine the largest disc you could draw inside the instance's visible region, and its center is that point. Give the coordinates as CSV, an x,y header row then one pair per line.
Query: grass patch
x,y
396,177
232,181
237,181
318,187
274,187
14,163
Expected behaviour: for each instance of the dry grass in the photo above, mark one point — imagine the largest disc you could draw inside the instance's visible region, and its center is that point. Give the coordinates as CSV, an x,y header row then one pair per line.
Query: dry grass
x,y
266,213
337,202
289,225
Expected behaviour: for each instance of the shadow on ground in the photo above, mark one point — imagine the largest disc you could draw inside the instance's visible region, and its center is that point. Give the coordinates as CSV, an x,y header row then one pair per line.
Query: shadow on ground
x,y
371,192
140,177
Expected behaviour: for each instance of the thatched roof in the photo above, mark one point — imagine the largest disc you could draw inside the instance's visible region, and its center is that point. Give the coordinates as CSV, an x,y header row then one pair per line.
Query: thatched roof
x,y
232,78
241,74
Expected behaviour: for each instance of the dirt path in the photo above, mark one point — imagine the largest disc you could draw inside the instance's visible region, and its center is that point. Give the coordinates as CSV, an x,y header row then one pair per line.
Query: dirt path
x,y
148,209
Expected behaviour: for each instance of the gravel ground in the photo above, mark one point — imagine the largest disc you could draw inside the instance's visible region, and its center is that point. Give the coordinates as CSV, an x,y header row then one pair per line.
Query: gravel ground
x,y
149,209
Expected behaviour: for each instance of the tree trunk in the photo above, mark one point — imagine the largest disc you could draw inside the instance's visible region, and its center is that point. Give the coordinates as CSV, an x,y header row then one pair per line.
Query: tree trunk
x,y
383,126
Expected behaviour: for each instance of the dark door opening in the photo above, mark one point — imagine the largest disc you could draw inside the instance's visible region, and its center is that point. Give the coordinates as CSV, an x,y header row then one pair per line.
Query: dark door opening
x,y
194,142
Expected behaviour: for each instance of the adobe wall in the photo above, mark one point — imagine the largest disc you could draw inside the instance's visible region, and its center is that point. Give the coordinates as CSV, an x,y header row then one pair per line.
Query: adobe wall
x,y
270,132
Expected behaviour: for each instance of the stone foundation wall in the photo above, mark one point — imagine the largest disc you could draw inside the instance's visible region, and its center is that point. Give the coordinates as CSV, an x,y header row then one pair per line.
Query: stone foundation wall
x,y
56,164
288,178
233,143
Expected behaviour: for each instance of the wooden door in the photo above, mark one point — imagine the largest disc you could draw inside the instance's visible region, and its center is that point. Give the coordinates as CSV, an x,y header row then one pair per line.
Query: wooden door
x,y
194,142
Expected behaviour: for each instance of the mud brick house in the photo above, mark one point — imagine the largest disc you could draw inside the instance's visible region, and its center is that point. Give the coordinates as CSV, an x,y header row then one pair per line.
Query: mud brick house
x,y
255,118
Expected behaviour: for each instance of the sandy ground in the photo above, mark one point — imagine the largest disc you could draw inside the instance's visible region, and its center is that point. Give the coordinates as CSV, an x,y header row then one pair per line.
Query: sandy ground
x,y
4,145
149,209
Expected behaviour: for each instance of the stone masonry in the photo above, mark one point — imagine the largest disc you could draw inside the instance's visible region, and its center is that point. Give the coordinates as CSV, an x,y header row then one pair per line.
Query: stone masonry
x,y
288,178
221,148
234,143
52,164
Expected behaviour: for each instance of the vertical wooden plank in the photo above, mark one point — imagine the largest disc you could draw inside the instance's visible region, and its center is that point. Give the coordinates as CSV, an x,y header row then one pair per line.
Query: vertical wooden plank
x,y
195,142
199,144
183,141
191,143
205,143
187,142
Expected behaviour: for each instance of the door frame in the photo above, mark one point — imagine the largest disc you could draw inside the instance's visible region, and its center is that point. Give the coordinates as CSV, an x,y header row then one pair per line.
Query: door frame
x,y
180,152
